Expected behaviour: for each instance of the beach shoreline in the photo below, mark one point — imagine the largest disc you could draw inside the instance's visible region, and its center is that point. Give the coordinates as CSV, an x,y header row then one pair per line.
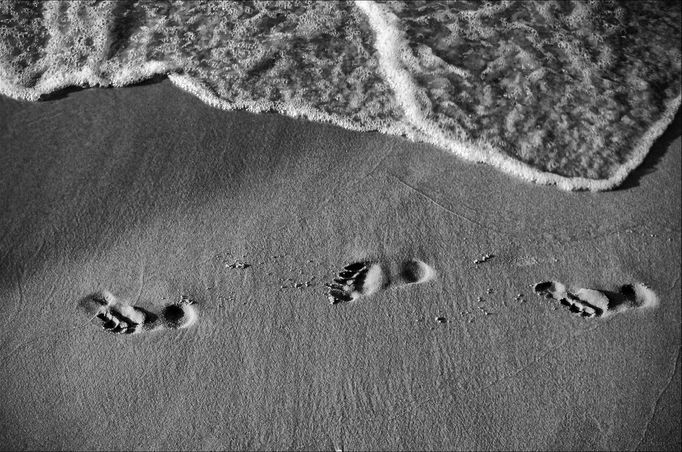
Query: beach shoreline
x,y
150,194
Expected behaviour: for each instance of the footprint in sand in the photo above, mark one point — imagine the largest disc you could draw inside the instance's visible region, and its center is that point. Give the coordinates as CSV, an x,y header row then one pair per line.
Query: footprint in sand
x,y
361,279
119,317
593,303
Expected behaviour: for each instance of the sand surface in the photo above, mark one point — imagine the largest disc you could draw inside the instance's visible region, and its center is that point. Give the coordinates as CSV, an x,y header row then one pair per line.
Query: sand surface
x,y
154,196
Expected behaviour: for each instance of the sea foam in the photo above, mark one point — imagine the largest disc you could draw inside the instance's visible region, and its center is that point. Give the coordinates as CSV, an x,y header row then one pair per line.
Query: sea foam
x,y
566,93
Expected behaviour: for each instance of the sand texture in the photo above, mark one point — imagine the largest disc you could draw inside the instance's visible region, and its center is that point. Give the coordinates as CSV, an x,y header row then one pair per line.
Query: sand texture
x,y
296,285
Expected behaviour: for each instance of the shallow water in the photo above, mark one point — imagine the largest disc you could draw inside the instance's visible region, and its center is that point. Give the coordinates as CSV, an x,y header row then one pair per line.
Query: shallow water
x,y
566,93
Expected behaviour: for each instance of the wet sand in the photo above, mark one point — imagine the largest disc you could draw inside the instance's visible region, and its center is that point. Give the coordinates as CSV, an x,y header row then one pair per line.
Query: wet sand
x,y
151,195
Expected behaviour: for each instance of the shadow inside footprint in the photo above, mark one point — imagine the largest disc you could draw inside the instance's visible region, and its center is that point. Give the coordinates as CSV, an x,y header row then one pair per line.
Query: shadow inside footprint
x,y
598,303
115,316
365,278
118,323
618,300
118,317
415,271
178,315
585,303
355,280
544,288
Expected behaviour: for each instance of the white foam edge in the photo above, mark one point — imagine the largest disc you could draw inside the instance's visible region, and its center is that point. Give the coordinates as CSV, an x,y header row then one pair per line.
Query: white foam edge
x,y
391,44
126,76
291,109
83,77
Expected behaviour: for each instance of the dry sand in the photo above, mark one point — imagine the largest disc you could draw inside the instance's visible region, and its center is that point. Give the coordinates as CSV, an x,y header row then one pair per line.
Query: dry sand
x,y
153,196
